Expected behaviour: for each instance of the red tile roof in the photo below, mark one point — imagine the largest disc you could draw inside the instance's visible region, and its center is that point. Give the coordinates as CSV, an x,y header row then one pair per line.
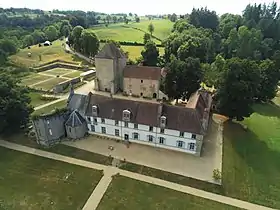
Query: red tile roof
x,y
142,72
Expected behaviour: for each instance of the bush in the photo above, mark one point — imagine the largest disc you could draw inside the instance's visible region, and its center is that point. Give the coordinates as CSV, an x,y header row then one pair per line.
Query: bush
x,y
124,94
136,96
217,175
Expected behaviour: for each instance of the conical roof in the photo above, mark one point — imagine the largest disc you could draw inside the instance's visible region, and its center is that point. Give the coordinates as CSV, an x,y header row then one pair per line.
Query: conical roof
x,y
110,50
75,119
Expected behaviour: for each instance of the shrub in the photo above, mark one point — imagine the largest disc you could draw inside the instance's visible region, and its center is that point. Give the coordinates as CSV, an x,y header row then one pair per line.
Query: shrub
x,y
217,175
136,96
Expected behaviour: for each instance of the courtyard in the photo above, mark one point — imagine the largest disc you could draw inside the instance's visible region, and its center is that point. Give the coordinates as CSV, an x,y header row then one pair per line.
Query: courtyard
x,y
166,160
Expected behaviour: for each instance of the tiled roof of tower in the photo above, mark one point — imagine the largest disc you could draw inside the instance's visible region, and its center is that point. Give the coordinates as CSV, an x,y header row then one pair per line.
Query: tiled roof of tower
x,y
142,72
110,51
75,119
185,119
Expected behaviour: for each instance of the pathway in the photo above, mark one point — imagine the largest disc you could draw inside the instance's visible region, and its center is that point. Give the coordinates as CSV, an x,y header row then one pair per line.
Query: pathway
x,y
109,170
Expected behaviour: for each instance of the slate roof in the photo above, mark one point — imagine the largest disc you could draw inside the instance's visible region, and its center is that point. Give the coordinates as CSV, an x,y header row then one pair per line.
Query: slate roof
x,y
142,72
77,102
110,51
75,119
185,119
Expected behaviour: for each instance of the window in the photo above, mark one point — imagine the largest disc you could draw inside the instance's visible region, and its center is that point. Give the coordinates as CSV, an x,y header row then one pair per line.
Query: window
x,y
161,140
126,124
103,129
95,120
181,134
193,136
162,120
50,131
180,144
136,126
191,146
116,122
141,81
48,122
88,119
126,115
94,110
92,128
135,136
102,120
151,128
150,138
117,132
141,94
162,130
69,130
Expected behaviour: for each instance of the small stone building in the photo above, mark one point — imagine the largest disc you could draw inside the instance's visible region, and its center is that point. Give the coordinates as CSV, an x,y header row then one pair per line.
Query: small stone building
x,y
76,126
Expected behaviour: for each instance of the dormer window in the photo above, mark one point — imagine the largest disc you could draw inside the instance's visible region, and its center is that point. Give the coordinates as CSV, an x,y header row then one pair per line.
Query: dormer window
x,y
126,115
94,110
162,121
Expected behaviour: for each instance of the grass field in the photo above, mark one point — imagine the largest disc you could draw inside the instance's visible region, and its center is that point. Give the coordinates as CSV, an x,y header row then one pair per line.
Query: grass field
x,y
135,51
57,71
32,182
33,79
48,109
48,85
251,166
48,53
74,74
126,194
36,99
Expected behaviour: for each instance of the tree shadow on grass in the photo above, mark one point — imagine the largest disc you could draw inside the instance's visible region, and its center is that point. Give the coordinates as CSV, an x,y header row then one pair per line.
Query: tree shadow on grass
x,y
253,168
267,109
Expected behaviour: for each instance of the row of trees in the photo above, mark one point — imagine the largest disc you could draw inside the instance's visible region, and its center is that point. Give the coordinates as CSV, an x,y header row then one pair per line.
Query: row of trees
x,y
238,55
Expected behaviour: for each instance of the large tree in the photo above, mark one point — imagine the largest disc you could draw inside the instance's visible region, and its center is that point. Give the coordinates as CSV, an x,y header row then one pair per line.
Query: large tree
x,y
89,43
51,32
150,54
15,105
237,88
151,28
204,18
75,38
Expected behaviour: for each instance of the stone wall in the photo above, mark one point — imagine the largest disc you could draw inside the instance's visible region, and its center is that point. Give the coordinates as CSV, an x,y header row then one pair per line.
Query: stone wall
x,y
61,86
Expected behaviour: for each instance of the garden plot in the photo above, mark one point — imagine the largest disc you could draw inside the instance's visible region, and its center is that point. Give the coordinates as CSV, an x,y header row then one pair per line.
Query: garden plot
x,y
49,85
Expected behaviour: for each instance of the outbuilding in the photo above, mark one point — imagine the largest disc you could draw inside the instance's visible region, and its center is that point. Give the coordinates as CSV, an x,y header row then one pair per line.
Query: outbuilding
x,y
76,126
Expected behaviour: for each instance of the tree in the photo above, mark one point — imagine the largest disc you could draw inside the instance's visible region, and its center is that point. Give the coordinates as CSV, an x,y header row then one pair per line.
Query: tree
x,y
150,54
151,28
173,17
75,38
108,19
204,18
130,14
237,88
183,77
146,38
38,36
3,57
90,43
8,46
14,103
65,28
28,41
51,32
137,19
115,19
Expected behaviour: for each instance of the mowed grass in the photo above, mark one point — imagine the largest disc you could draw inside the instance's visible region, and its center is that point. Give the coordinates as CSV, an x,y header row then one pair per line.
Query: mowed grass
x,y
50,108
48,53
34,78
37,100
163,27
251,166
127,194
32,182
74,74
135,51
48,85
57,71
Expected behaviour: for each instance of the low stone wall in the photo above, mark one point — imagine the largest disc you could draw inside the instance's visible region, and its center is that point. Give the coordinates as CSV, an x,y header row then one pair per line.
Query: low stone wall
x,y
61,86
61,65
56,61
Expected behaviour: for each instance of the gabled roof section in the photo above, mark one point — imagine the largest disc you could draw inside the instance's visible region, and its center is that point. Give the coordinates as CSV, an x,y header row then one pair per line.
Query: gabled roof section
x,y
110,51
75,119
77,102
142,72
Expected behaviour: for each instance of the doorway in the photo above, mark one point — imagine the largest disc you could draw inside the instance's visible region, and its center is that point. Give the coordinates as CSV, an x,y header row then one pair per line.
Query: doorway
x,y
126,137
154,95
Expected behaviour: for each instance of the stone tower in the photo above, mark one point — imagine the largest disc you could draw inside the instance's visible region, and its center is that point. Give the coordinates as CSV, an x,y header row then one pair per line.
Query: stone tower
x,y
109,63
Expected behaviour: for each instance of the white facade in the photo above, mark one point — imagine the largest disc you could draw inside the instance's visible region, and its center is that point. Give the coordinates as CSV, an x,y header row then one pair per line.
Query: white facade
x,y
144,134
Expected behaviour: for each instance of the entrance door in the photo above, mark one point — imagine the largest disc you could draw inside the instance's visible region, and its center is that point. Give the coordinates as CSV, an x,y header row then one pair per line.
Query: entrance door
x,y
126,137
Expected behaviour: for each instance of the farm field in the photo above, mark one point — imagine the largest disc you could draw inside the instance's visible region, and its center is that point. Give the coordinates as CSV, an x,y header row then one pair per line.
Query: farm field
x,y
126,194
135,51
48,53
33,79
251,167
32,182
49,84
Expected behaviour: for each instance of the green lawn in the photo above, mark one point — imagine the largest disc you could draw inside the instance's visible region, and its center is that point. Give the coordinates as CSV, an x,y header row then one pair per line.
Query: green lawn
x,y
127,194
37,99
57,71
251,166
135,51
74,74
50,108
48,53
48,85
34,78
32,182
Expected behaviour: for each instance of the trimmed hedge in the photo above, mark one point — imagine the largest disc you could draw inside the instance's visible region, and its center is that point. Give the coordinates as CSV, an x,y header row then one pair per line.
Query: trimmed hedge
x,y
129,43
